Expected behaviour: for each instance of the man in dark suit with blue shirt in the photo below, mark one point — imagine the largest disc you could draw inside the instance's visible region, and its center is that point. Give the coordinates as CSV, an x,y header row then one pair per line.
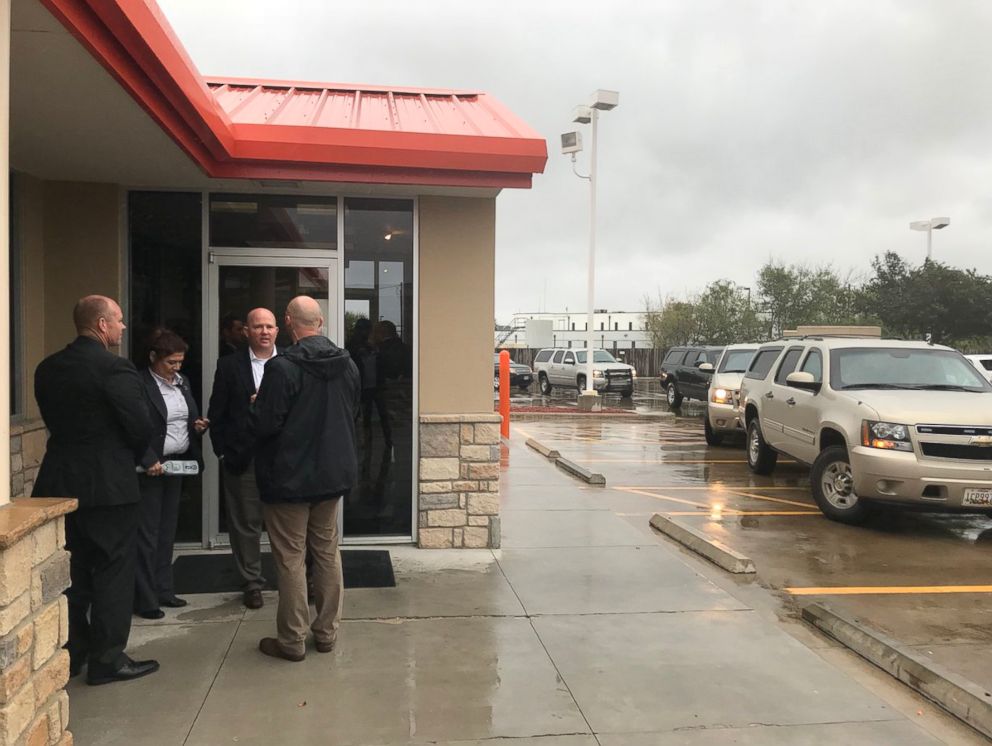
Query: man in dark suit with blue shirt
x,y
93,406
238,377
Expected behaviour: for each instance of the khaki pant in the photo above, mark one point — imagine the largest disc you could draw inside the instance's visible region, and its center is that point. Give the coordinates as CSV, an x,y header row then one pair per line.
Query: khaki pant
x,y
293,529
244,526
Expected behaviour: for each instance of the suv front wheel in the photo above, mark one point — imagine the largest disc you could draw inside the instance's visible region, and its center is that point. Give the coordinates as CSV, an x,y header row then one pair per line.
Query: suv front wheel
x,y
832,483
760,457
545,384
673,395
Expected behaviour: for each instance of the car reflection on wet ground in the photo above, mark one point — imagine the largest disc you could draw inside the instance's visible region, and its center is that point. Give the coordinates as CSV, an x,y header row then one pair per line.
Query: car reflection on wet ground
x,y
922,578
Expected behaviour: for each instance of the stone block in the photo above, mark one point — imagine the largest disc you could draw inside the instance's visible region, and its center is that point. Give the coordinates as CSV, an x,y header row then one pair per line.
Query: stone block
x,y
476,453
463,471
437,502
434,538
13,614
439,441
37,732
16,463
33,448
46,634
16,715
66,739
54,722
45,542
422,519
17,484
487,434
467,434
487,470
490,486
54,576
495,453
15,444
478,520
431,488
15,644
15,570
64,708
475,538
483,503
36,602
28,488
60,531
495,529
464,486
456,538
13,677
439,468
51,678
452,517
63,620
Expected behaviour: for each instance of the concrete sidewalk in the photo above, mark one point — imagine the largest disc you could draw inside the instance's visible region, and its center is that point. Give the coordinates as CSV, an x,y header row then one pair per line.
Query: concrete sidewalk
x,y
583,629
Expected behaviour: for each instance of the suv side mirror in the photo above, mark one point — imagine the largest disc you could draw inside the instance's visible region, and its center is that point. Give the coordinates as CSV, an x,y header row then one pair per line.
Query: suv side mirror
x,y
706,367
803,380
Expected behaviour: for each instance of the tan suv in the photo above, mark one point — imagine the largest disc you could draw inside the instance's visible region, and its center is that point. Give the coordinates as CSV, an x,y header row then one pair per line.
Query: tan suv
x,y
880,421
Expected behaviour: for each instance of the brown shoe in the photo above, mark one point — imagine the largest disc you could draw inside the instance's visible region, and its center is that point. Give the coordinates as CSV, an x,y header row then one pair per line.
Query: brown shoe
x,y
270,646
324,647
253,599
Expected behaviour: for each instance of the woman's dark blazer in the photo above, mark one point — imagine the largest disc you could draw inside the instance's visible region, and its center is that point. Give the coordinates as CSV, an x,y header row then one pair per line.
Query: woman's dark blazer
x,y
159,414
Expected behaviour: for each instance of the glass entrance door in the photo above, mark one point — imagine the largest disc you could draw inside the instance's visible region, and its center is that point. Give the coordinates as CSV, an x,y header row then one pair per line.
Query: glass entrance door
x,y
239,284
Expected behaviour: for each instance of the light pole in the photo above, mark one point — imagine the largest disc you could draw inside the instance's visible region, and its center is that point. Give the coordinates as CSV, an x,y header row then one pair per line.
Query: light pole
x,y
931,225
571,143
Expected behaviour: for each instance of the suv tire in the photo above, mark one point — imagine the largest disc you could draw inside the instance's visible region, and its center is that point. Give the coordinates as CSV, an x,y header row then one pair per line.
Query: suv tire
x,y
673,395
544,384
627,393
760,458
713,438
832,484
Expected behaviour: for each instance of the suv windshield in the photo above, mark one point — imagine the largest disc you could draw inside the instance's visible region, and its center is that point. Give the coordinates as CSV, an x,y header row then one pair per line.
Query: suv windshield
x,y
736,361
903,368
601,356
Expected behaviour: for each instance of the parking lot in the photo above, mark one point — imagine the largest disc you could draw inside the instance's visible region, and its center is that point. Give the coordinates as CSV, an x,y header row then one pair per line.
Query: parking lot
x,y
921,578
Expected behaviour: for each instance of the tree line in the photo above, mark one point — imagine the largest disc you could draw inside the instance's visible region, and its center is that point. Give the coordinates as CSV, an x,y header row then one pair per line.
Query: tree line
x,y
932,300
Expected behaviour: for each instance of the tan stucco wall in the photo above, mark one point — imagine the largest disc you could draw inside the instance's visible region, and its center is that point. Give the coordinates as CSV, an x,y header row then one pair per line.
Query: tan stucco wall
x,y
30,227
82,251
456,300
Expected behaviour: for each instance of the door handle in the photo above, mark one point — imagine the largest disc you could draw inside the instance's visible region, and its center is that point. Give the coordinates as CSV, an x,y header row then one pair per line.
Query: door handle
x,y
790,401
769,395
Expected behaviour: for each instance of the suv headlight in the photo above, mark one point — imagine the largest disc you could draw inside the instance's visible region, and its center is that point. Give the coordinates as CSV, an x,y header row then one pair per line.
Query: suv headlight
x,y
721,396
597,374
888,436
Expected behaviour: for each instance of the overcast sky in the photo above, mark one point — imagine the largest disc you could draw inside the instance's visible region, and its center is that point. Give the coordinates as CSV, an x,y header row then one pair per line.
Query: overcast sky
x,y
747,130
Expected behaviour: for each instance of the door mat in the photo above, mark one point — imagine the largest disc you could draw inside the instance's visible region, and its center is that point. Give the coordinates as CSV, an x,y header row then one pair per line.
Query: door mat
x,y
216,573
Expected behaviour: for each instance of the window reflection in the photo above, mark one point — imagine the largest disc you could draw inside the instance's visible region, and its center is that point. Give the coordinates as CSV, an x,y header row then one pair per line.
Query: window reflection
x,y
273,221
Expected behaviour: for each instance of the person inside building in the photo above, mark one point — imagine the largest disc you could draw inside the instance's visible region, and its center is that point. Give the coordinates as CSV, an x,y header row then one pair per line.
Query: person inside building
x,y
177,427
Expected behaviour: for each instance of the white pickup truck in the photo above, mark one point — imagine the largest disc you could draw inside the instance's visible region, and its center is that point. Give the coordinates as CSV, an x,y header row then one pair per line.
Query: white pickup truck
x,y
567,368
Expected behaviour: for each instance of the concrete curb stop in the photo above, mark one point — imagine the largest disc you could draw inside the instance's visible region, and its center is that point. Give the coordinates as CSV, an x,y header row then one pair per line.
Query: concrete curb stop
x,y
589,477
542,449
717,553
956,694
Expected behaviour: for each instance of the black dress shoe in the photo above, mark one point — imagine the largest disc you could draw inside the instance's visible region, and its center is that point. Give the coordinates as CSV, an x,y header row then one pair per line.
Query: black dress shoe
x,y
130,670
173,602
253,599
151,614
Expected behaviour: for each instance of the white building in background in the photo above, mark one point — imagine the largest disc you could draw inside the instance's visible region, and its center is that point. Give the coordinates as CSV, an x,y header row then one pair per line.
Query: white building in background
x,y
621,330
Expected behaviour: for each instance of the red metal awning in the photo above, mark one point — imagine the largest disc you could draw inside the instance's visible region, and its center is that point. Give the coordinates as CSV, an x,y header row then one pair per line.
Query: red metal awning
x,y
259,129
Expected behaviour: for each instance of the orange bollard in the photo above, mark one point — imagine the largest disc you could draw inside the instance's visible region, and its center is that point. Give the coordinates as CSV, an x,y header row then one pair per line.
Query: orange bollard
x,y
504,392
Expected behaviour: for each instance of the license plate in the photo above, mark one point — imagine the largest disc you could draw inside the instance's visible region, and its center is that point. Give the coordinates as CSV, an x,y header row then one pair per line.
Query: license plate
x,y
982,497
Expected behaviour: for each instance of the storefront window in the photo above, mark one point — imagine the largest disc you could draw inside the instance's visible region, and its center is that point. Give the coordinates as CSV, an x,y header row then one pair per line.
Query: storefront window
x,y
273,221
165,290
379,312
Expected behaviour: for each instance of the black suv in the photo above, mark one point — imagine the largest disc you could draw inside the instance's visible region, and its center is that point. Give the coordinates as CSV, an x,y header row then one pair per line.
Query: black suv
x,y
686,372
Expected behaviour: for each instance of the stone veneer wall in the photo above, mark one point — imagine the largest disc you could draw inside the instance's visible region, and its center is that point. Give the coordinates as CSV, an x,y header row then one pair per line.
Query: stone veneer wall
x,y
459,481
34,623
27,446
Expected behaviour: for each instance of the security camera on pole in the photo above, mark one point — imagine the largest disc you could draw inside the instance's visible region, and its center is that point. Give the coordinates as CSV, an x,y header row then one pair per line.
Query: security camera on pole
x,y
571,143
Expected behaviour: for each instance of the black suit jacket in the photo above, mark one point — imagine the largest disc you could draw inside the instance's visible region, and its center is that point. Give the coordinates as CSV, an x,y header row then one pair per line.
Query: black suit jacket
x,y
97,419
227,411
159,415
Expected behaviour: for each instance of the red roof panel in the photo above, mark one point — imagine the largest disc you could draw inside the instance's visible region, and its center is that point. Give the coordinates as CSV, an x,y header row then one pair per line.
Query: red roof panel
x,y
237,128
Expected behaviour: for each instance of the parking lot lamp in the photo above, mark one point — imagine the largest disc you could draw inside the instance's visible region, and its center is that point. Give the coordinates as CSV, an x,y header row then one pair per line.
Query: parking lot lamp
x,y
601,100
931,225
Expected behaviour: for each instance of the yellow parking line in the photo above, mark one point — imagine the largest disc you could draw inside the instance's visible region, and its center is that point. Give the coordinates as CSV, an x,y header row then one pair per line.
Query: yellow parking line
x,y
719,487
521,431
889,590
770,499
747,512
705,506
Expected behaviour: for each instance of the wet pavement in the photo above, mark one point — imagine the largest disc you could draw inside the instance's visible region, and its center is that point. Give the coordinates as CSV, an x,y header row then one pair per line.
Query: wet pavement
x,y
585,628
921,578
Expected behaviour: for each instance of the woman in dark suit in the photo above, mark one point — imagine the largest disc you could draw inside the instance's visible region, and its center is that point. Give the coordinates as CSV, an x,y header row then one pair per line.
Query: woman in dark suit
x,y
177,427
